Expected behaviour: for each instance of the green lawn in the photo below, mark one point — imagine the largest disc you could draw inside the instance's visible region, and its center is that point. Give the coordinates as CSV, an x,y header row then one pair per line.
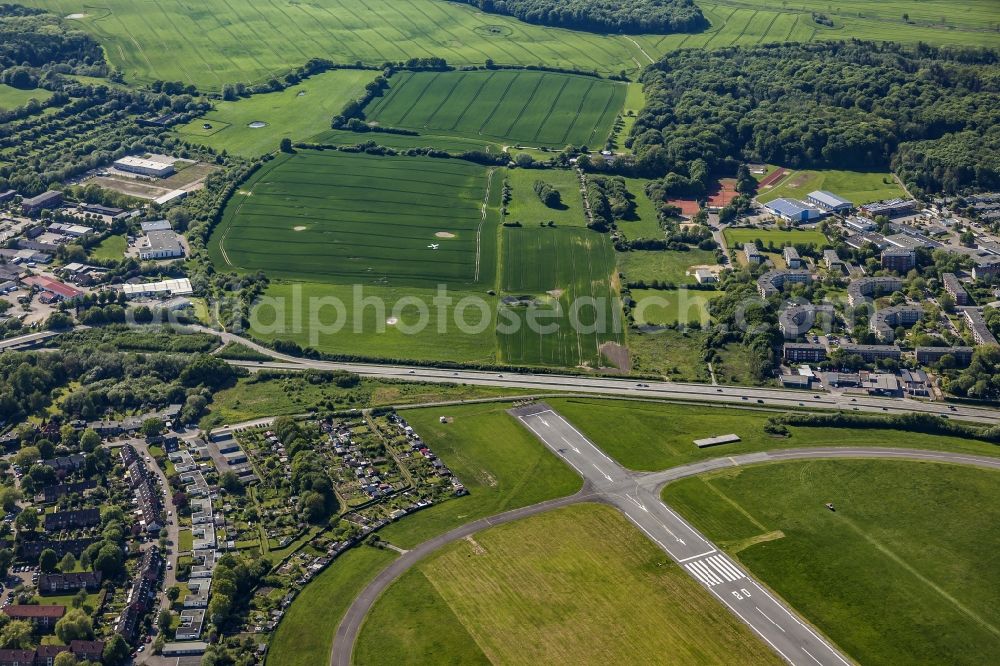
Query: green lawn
x,y
185,541
666,266
501,464
111,248
333,216
567,274
12,98
305,635
644,223
299,112
657,307
735,238
857,187
652,436
579,585
525,107
635,100
900,573
525,206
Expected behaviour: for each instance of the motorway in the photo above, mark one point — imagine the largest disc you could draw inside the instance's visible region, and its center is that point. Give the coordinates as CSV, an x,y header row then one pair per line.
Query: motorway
x,y
635,388
637,495
609,386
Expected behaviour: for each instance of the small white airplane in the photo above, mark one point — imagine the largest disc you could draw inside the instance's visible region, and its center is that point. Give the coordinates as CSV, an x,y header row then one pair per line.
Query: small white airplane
x,y
434,246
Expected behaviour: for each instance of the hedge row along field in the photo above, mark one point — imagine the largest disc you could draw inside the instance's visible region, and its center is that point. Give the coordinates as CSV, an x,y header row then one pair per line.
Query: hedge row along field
x,y
529,107
341,217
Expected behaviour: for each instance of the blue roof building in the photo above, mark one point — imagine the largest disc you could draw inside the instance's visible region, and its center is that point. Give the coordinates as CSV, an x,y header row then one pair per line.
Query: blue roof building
x,y
794,210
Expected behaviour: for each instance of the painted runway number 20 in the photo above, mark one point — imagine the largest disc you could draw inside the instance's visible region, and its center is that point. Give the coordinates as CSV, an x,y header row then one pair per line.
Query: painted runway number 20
x,y
741,593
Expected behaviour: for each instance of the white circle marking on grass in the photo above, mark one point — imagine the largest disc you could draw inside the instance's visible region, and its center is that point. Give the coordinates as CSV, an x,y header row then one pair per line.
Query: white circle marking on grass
x,y
444,234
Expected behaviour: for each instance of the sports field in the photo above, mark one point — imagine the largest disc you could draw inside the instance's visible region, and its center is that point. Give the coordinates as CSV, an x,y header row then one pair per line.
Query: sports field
x,y
855,186
735,238
569,308
656,307
524,107
12,98
330,216
578,585
899,573
298,112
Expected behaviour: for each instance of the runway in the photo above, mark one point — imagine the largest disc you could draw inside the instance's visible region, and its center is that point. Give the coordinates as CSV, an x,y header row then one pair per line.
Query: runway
x,y
637,497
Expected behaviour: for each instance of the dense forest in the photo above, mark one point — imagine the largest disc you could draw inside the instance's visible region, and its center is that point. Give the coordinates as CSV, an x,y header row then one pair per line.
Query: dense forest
x,y
34,38
931,114
623,16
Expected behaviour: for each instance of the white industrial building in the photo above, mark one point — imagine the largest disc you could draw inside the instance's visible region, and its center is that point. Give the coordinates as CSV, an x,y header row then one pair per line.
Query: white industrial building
x,y
161,245
144,167
177,287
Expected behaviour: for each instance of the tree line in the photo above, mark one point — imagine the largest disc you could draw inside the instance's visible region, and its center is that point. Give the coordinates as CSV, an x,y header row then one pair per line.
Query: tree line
x,y
932,114
621,16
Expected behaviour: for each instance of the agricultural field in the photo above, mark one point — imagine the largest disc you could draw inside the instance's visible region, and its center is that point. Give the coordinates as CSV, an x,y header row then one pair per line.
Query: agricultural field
x,y
735,238
749,22
527,208
299,112
403,323
547,270
662,307
247,41
855,186
666,266
388,221
12,98
514,106
467,602
880,576
652,436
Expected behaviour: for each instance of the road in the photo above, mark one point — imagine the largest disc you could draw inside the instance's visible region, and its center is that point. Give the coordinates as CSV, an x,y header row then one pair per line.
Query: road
x,y
637,495
609,386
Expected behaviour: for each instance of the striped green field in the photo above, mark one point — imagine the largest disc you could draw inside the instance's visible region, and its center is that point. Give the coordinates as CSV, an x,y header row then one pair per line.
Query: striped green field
x,y
210,45
529,107
558,269
338,217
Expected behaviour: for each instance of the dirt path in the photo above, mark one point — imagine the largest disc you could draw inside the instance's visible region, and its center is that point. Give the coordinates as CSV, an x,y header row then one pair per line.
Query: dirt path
x,y
482,220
